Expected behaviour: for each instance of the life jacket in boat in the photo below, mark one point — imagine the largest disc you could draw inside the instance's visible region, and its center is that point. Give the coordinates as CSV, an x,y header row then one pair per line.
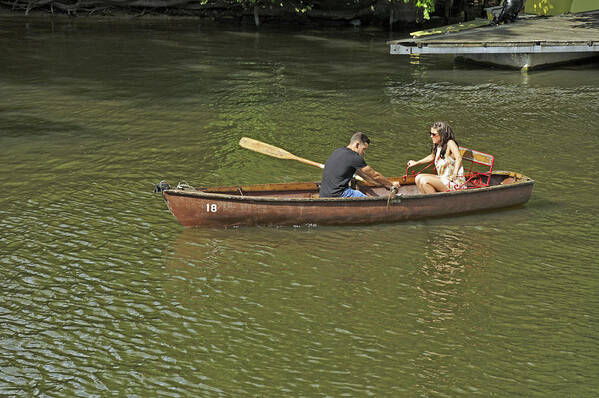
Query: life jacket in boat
x,y
161,186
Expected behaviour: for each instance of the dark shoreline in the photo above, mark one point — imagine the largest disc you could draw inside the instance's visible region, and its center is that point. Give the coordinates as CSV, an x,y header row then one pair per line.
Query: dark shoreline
x,y
238,17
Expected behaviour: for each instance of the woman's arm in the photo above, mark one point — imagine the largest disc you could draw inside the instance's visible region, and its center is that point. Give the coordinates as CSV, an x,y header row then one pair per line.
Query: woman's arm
x,y
427,159
456,155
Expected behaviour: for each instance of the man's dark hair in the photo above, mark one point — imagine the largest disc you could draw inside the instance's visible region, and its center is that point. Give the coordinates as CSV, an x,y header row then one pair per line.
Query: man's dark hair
x,y
359,137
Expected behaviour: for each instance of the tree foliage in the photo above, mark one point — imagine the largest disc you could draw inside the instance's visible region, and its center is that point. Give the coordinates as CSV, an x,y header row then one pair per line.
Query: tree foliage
x,y
428,7
199,6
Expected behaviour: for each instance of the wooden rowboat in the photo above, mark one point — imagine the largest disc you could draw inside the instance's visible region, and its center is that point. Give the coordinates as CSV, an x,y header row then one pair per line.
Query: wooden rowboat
x,y
299,203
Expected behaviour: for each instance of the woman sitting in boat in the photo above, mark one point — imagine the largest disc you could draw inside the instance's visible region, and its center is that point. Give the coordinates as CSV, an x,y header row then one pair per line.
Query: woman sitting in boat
x,y
448,162
343,163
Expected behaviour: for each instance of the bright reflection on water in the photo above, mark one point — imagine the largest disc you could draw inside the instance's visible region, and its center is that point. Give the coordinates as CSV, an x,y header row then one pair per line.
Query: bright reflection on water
x,y
103,293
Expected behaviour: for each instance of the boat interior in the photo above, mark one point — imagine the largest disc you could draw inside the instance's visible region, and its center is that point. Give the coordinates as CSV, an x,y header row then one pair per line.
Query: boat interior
x,y
478,170
308,190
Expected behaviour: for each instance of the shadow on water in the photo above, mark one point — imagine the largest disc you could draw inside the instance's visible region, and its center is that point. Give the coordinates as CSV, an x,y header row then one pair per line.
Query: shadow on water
x,y
195,251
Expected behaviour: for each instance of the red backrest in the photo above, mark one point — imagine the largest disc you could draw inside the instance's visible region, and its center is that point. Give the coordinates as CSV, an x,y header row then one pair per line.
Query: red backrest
x,y
478,167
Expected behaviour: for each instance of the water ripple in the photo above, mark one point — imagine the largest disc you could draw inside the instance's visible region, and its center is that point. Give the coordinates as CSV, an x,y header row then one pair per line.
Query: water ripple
x,y
104,293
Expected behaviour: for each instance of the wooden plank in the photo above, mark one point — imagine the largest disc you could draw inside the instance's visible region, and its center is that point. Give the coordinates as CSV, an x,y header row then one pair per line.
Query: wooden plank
x,y
473,155
304,186
571,29
476,23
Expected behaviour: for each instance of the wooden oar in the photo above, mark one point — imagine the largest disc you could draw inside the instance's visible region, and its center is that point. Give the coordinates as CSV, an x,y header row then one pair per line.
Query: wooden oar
x,y
271,150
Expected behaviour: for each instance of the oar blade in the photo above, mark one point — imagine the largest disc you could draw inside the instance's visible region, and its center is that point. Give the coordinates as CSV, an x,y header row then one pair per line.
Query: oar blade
x,y
266,149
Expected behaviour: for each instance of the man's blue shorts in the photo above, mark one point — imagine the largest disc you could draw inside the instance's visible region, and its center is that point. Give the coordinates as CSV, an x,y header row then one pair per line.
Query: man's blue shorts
x,y
352,193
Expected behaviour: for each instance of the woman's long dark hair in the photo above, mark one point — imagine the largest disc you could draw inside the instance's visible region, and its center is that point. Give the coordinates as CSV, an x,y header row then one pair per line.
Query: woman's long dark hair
x,y
446,134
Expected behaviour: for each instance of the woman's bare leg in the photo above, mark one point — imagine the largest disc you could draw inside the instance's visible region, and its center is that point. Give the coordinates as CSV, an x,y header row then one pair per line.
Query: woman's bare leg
x,y
420,178
430,183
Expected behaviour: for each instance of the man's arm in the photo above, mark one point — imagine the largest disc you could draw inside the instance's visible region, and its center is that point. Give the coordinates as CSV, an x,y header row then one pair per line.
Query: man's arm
x,y
371,174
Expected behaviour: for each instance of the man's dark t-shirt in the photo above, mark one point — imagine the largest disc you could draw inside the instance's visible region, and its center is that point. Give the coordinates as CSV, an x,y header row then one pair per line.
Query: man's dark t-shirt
x,y
338,171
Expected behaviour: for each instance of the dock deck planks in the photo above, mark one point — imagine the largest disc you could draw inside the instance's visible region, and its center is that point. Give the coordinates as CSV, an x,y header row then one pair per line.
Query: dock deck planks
x,y
569,33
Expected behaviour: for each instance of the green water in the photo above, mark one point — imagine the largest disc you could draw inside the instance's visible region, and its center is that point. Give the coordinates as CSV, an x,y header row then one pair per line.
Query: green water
x,y
103,293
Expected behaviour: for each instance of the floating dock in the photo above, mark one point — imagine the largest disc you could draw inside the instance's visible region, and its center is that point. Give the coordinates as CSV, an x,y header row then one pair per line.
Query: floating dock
x,y
530,42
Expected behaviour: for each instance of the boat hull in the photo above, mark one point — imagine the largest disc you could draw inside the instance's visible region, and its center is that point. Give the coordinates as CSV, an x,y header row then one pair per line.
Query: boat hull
x,y
200,208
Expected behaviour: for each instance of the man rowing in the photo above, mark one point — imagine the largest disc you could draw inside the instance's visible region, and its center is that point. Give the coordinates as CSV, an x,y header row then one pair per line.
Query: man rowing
x,y
343,163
